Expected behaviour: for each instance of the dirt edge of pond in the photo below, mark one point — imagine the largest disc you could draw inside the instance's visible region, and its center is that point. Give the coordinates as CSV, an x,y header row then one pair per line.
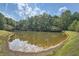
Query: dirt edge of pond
x,y
44,52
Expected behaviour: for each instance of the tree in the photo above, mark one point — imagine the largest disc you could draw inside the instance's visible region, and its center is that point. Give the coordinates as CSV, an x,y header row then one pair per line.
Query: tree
x,y
65,19
10,21
6,23
21,25
2,21
75,16
77,26
73,27
57,21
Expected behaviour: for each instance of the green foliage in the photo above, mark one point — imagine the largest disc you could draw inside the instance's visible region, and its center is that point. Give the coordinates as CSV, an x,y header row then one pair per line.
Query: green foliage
x,y
43,22
65,19
2,21
74,26
22,25
46,22
10,21
75,16
6,23
77,26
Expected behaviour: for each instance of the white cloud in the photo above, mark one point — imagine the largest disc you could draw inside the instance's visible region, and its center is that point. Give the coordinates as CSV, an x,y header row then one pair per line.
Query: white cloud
x,y
20,6
7,15
37,11
26,10
62,9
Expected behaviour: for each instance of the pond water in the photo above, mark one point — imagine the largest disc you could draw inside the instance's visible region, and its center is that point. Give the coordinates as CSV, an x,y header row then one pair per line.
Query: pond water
x,y
23,46
35,41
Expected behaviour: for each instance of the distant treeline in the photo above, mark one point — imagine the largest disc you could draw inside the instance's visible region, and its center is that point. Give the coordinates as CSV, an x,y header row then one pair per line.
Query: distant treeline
x,y
44,22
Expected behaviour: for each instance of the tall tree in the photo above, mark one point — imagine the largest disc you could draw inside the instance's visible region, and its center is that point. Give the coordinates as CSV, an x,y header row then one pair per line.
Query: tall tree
x,y
2,21
73,25
75,16
66,19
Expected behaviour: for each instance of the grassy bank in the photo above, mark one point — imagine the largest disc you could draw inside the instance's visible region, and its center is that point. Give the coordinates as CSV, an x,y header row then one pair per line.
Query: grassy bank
x,y
3,41
71,47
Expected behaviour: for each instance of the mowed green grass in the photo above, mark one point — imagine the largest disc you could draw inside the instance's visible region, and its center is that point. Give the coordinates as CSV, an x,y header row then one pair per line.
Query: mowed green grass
x,y
42,39
3,40
71,47
3,36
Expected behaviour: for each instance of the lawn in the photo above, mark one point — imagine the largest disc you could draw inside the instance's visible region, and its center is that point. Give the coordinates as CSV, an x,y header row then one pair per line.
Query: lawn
x,y
3,36
3,41
71,47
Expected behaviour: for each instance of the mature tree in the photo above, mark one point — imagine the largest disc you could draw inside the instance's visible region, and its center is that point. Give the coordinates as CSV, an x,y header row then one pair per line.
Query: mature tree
x,y
21,25
65,19
40,22
77,26
75,16
10,21
2,21
6,23
72,27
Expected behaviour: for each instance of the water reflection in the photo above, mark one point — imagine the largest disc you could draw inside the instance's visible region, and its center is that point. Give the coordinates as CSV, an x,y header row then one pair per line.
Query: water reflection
x,y
23,46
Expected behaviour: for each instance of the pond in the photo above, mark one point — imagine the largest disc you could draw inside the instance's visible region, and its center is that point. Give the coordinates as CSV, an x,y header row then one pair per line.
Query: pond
x,y
41,39
23,46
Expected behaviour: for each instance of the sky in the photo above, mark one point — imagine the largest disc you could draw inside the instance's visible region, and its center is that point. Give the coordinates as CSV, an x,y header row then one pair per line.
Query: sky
x,y
19,11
